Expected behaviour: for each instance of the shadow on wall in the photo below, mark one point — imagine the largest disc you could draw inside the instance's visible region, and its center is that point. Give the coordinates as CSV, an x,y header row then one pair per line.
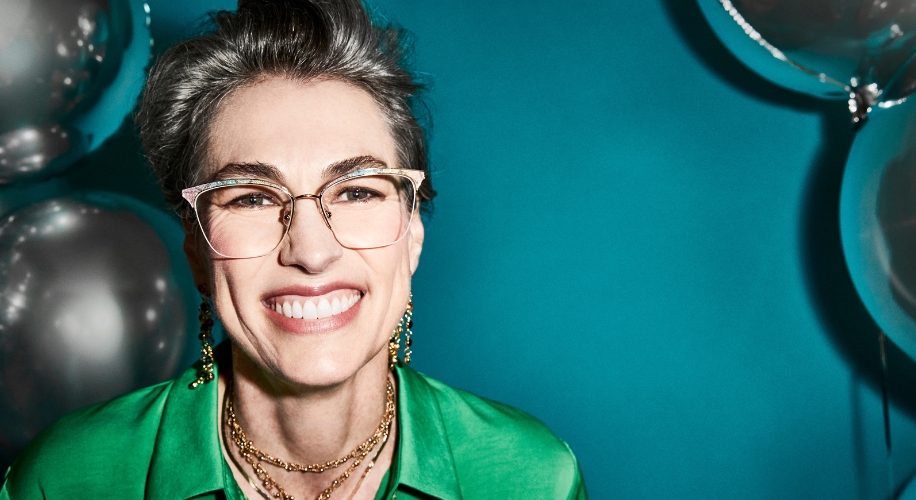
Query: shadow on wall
x,y
850,327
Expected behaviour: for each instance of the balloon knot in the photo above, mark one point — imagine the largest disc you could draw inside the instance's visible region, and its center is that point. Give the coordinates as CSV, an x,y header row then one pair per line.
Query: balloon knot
x,y
861,100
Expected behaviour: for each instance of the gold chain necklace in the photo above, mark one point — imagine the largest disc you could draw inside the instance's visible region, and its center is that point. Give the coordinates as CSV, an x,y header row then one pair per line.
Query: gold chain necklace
x,y
264,494
255,456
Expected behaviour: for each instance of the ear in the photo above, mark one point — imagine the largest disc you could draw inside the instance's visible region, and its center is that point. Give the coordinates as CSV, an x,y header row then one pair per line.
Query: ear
x,y
195,250
415,235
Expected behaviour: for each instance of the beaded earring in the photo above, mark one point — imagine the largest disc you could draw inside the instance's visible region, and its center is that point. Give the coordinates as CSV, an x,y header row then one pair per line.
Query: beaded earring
x,y
408,324
394,342
205,373
394,346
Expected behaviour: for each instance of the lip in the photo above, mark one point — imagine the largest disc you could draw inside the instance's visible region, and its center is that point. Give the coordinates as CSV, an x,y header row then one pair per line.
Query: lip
x,y
309,326
312,291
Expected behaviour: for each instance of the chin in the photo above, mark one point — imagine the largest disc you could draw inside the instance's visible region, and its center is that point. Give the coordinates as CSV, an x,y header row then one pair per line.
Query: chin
x,y
326,369
319,352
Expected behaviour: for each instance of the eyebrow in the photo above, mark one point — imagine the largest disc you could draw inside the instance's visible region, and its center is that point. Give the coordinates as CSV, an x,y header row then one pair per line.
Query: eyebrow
x,y
267,171
344,167
257,170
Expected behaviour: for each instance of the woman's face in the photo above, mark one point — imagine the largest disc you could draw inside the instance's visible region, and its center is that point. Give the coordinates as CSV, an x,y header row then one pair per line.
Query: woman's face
x,y
300,129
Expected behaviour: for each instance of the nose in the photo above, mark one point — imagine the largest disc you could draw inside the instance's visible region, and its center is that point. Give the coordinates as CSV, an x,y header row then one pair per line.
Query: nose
x,y
309,244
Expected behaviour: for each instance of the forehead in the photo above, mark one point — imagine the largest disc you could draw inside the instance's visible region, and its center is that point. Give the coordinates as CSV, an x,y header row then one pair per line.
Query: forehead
x,y
300,128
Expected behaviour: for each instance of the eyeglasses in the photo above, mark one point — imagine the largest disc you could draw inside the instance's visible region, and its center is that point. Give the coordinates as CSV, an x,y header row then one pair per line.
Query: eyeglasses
x,y
246,218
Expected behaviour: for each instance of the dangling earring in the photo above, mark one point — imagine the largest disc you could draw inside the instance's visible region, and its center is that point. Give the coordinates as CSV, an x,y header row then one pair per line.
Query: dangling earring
x,y
394,342
408,324
394,346
205,374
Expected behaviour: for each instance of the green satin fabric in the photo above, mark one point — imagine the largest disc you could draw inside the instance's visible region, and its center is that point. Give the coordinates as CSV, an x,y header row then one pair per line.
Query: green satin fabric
x,y
162,443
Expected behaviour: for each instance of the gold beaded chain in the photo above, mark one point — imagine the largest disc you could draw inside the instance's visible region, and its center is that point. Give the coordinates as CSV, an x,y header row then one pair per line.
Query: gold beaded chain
x,y
369,467
255,456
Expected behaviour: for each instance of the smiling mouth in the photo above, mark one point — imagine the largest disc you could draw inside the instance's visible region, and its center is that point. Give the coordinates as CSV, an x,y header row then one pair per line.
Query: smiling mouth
x,y
325,306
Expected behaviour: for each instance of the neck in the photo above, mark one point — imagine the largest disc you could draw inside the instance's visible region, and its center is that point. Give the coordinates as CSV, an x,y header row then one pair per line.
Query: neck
x,y
308,425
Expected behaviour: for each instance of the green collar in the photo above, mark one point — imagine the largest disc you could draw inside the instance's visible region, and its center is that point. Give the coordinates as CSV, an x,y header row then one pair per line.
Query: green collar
x,y
187,460
424,461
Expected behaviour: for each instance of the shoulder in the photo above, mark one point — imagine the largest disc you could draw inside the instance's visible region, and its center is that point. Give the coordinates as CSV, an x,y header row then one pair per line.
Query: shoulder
x,y
495,425
100,446
497,446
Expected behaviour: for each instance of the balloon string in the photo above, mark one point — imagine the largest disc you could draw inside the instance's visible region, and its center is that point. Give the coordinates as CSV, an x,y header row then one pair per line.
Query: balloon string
x,y
778,54
886,407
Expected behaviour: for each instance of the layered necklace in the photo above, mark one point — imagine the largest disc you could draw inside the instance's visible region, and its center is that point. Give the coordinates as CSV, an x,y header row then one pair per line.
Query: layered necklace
x,y
255,457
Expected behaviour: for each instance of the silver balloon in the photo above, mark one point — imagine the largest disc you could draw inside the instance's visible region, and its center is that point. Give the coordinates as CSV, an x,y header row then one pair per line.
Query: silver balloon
x,y
91,306
58,59
54,50
861,51
878,221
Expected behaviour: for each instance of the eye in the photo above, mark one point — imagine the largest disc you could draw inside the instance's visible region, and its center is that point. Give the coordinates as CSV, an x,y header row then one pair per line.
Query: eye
x,y
253,199
363,191
358,194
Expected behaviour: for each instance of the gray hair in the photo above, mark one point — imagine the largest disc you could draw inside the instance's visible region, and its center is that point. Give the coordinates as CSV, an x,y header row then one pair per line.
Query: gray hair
x,y
297,39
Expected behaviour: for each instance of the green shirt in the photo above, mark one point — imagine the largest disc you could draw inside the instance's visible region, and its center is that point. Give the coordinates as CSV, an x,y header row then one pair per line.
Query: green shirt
x,y
162,443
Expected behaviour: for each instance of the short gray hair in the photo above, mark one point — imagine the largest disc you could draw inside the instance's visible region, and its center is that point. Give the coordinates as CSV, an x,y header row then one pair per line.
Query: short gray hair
x,y
297,39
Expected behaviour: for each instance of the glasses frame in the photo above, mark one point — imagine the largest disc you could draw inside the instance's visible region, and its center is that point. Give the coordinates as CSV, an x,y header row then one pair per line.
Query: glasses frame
x,y
191,194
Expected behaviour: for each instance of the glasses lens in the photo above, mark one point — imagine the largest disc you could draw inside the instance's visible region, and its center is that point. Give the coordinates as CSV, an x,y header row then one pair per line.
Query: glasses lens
x,y
243,220
370,211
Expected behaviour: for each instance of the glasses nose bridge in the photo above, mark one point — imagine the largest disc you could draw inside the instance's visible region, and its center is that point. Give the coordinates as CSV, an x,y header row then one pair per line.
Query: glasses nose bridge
x,y
317,198
307,196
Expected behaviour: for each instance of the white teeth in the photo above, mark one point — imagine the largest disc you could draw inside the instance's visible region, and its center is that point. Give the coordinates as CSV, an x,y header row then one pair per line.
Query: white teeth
x,y
324,308
310,311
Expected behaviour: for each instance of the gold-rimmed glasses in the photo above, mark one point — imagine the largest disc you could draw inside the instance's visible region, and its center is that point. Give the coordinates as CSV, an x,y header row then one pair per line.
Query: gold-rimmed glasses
x,y
246,218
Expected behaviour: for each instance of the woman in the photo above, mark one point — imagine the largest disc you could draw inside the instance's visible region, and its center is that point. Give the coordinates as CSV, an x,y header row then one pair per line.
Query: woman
x,y
287,141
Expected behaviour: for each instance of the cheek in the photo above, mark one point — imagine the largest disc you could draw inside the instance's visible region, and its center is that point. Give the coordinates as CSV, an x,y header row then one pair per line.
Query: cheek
x,y
230,292
222,297
390,284
390,266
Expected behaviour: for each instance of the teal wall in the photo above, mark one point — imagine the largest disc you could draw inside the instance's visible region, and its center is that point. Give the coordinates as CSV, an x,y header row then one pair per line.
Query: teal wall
x,y
636,240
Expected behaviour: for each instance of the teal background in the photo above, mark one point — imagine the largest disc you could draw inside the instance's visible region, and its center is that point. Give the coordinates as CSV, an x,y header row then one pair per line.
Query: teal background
x,y
636,240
